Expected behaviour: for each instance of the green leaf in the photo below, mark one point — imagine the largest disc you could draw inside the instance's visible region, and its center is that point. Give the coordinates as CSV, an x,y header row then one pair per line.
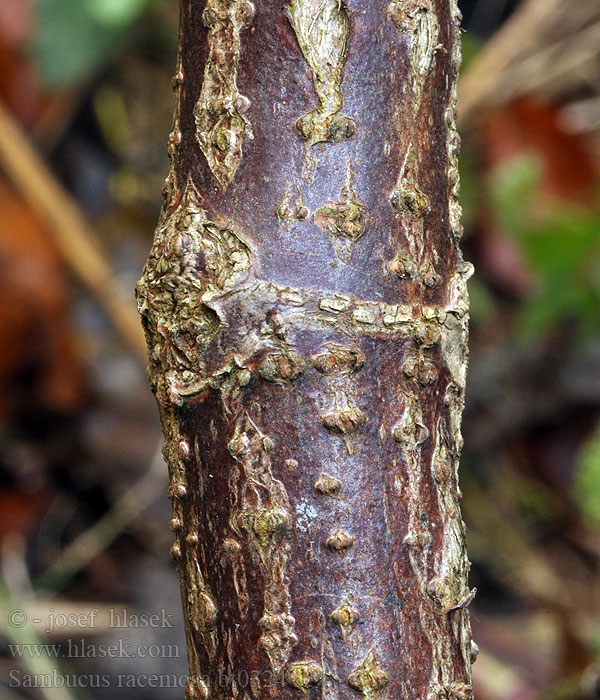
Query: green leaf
x,y
116,13
471,46
512,187
560,251
586,485
470,188
559,241
74,39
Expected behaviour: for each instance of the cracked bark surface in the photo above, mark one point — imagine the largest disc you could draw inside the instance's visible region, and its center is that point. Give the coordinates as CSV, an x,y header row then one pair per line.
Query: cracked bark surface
x,y
305,309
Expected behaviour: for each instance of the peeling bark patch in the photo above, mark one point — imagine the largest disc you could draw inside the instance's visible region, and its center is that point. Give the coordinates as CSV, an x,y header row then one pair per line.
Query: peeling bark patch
x,y
328,485
417,19
345,221
231,547
453,142
221,125
412,206
196,690
303,675
261,517
321,27
344,421
288,212
175,138
369,679
449,588
418,539
337,363
410,431
346,616
201,608
338,358
459,691
430,277
277,638
207,610
453,148
404,267
335,305
282,368
408,198
427,336
442,590
184,449
192,261
340,542
421,370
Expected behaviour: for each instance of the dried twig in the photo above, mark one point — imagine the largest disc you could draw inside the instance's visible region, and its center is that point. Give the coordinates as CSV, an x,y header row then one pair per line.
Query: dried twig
x,y
71,233
515,60
97,538
38,665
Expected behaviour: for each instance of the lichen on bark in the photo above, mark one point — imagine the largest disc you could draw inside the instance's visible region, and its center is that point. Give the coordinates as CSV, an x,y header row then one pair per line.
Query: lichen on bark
x,y
311,386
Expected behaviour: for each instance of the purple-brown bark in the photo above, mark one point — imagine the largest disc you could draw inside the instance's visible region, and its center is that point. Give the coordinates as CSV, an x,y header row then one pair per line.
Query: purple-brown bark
x,y
305,308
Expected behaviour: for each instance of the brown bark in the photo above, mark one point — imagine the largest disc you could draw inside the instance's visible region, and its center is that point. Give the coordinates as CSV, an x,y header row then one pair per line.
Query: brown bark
x,y
305,309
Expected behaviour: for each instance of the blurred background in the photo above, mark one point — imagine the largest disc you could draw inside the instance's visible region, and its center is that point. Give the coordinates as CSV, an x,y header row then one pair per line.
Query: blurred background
x,y
85,110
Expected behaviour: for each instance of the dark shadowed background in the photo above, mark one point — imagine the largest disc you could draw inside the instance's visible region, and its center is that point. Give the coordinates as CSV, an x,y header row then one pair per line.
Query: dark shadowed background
x,y
89,600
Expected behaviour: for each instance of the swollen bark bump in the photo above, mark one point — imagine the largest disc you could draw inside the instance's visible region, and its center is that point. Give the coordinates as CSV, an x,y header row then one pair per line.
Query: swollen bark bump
x,y
305,309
